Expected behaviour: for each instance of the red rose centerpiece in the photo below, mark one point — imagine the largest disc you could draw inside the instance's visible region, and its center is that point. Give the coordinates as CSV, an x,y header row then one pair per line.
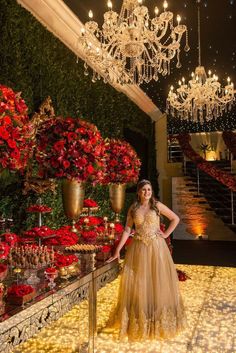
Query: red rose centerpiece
x,y
67,265
122,163
123,167
19,294
72,149
15,131
90,206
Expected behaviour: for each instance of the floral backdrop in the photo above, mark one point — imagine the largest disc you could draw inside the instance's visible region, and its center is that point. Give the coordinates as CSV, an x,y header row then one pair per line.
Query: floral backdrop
x,y
56,74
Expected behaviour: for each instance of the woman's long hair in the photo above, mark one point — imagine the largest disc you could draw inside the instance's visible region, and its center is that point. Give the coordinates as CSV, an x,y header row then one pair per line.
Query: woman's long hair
x,y
152,201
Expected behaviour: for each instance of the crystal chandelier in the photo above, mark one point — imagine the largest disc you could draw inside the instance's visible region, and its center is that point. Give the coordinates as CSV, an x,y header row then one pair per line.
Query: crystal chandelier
x,y
132,48
202,98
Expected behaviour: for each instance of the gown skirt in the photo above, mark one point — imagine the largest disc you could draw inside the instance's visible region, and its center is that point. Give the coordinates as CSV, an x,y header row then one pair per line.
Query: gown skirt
x,y
149,302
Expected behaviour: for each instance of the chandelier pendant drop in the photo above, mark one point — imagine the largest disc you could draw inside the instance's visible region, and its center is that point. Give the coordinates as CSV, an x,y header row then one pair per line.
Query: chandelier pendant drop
x,y
202,98
132,48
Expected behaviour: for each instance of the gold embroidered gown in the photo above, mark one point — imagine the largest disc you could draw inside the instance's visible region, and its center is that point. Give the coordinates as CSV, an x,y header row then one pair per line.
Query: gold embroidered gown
x,y
149,302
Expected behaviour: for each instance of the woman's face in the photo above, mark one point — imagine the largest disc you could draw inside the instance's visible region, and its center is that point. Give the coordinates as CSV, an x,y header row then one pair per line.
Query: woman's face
x,y
145,193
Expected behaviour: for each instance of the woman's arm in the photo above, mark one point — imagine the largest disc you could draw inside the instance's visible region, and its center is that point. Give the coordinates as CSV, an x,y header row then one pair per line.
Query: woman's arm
x,y
124,237
122,242
173,218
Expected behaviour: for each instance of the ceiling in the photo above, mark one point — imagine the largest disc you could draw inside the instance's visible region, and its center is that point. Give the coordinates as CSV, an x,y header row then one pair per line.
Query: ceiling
x,y
218,38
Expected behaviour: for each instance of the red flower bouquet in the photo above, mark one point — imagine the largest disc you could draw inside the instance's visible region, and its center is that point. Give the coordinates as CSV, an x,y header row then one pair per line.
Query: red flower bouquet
x,y
51,270
122,163
19,294
71,148
15,131
90,221
10,238
90,203
89,235
39,208
65,260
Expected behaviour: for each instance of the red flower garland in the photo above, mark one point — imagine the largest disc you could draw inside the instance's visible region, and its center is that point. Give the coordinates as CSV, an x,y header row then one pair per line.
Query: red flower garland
x,y
71,148
15,131
221,176
122,162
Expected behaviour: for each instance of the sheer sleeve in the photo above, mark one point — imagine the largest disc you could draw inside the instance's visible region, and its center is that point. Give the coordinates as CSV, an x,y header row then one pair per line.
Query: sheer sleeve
x,y
129,220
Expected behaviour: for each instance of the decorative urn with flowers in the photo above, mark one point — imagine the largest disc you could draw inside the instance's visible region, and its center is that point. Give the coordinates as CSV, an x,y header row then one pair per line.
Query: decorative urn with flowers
x,y
122,167
72,150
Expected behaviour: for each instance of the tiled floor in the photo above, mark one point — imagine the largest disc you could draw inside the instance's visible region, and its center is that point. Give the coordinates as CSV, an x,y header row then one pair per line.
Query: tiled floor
x,y
210,300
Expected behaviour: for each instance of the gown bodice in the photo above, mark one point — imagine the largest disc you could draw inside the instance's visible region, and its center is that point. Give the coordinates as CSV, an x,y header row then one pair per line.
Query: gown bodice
x,y
146,225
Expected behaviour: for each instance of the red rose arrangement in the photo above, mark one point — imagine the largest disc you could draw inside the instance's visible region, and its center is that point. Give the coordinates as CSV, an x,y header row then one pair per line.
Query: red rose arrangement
x,y
122,162
51,270
15,131
90,203
10,238
20,290
106,249
62,236
71,148
39,208
90,227
65,260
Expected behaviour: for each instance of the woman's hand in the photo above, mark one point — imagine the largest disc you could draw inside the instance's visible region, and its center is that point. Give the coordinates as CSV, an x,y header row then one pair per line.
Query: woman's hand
x,y
115,256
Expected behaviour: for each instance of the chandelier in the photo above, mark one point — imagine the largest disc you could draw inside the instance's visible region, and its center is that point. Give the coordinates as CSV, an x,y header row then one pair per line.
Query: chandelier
x,y
202,98
132,48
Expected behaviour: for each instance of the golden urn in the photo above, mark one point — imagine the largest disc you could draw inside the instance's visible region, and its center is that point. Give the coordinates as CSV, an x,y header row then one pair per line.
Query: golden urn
x,y
73,199
117,198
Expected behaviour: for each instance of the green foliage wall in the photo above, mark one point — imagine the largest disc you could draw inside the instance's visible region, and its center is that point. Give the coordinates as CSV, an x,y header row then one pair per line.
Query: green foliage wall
x,y
36,63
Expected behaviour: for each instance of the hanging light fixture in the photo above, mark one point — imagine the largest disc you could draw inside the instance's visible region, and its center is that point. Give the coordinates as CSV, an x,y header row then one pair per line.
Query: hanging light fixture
x,y
132,48
202,98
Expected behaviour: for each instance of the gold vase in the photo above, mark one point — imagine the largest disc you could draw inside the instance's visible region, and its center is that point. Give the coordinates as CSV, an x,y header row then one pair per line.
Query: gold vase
x,y
117,198
73,199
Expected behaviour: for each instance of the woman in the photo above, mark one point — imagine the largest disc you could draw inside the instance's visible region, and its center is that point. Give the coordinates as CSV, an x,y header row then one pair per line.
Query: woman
x,y
149,303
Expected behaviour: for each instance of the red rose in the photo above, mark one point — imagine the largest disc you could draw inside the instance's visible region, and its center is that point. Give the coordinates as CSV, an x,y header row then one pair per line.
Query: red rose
x,y
90,203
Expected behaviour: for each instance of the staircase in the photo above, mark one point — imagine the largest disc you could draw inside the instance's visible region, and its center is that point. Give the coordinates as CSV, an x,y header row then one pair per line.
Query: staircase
x,y
218,196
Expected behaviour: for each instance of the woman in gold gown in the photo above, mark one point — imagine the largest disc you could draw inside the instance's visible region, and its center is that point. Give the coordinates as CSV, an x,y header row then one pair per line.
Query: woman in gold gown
x,y
149,302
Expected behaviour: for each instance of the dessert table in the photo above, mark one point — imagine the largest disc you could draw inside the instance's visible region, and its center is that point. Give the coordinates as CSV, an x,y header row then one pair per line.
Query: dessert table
x,y
19,323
